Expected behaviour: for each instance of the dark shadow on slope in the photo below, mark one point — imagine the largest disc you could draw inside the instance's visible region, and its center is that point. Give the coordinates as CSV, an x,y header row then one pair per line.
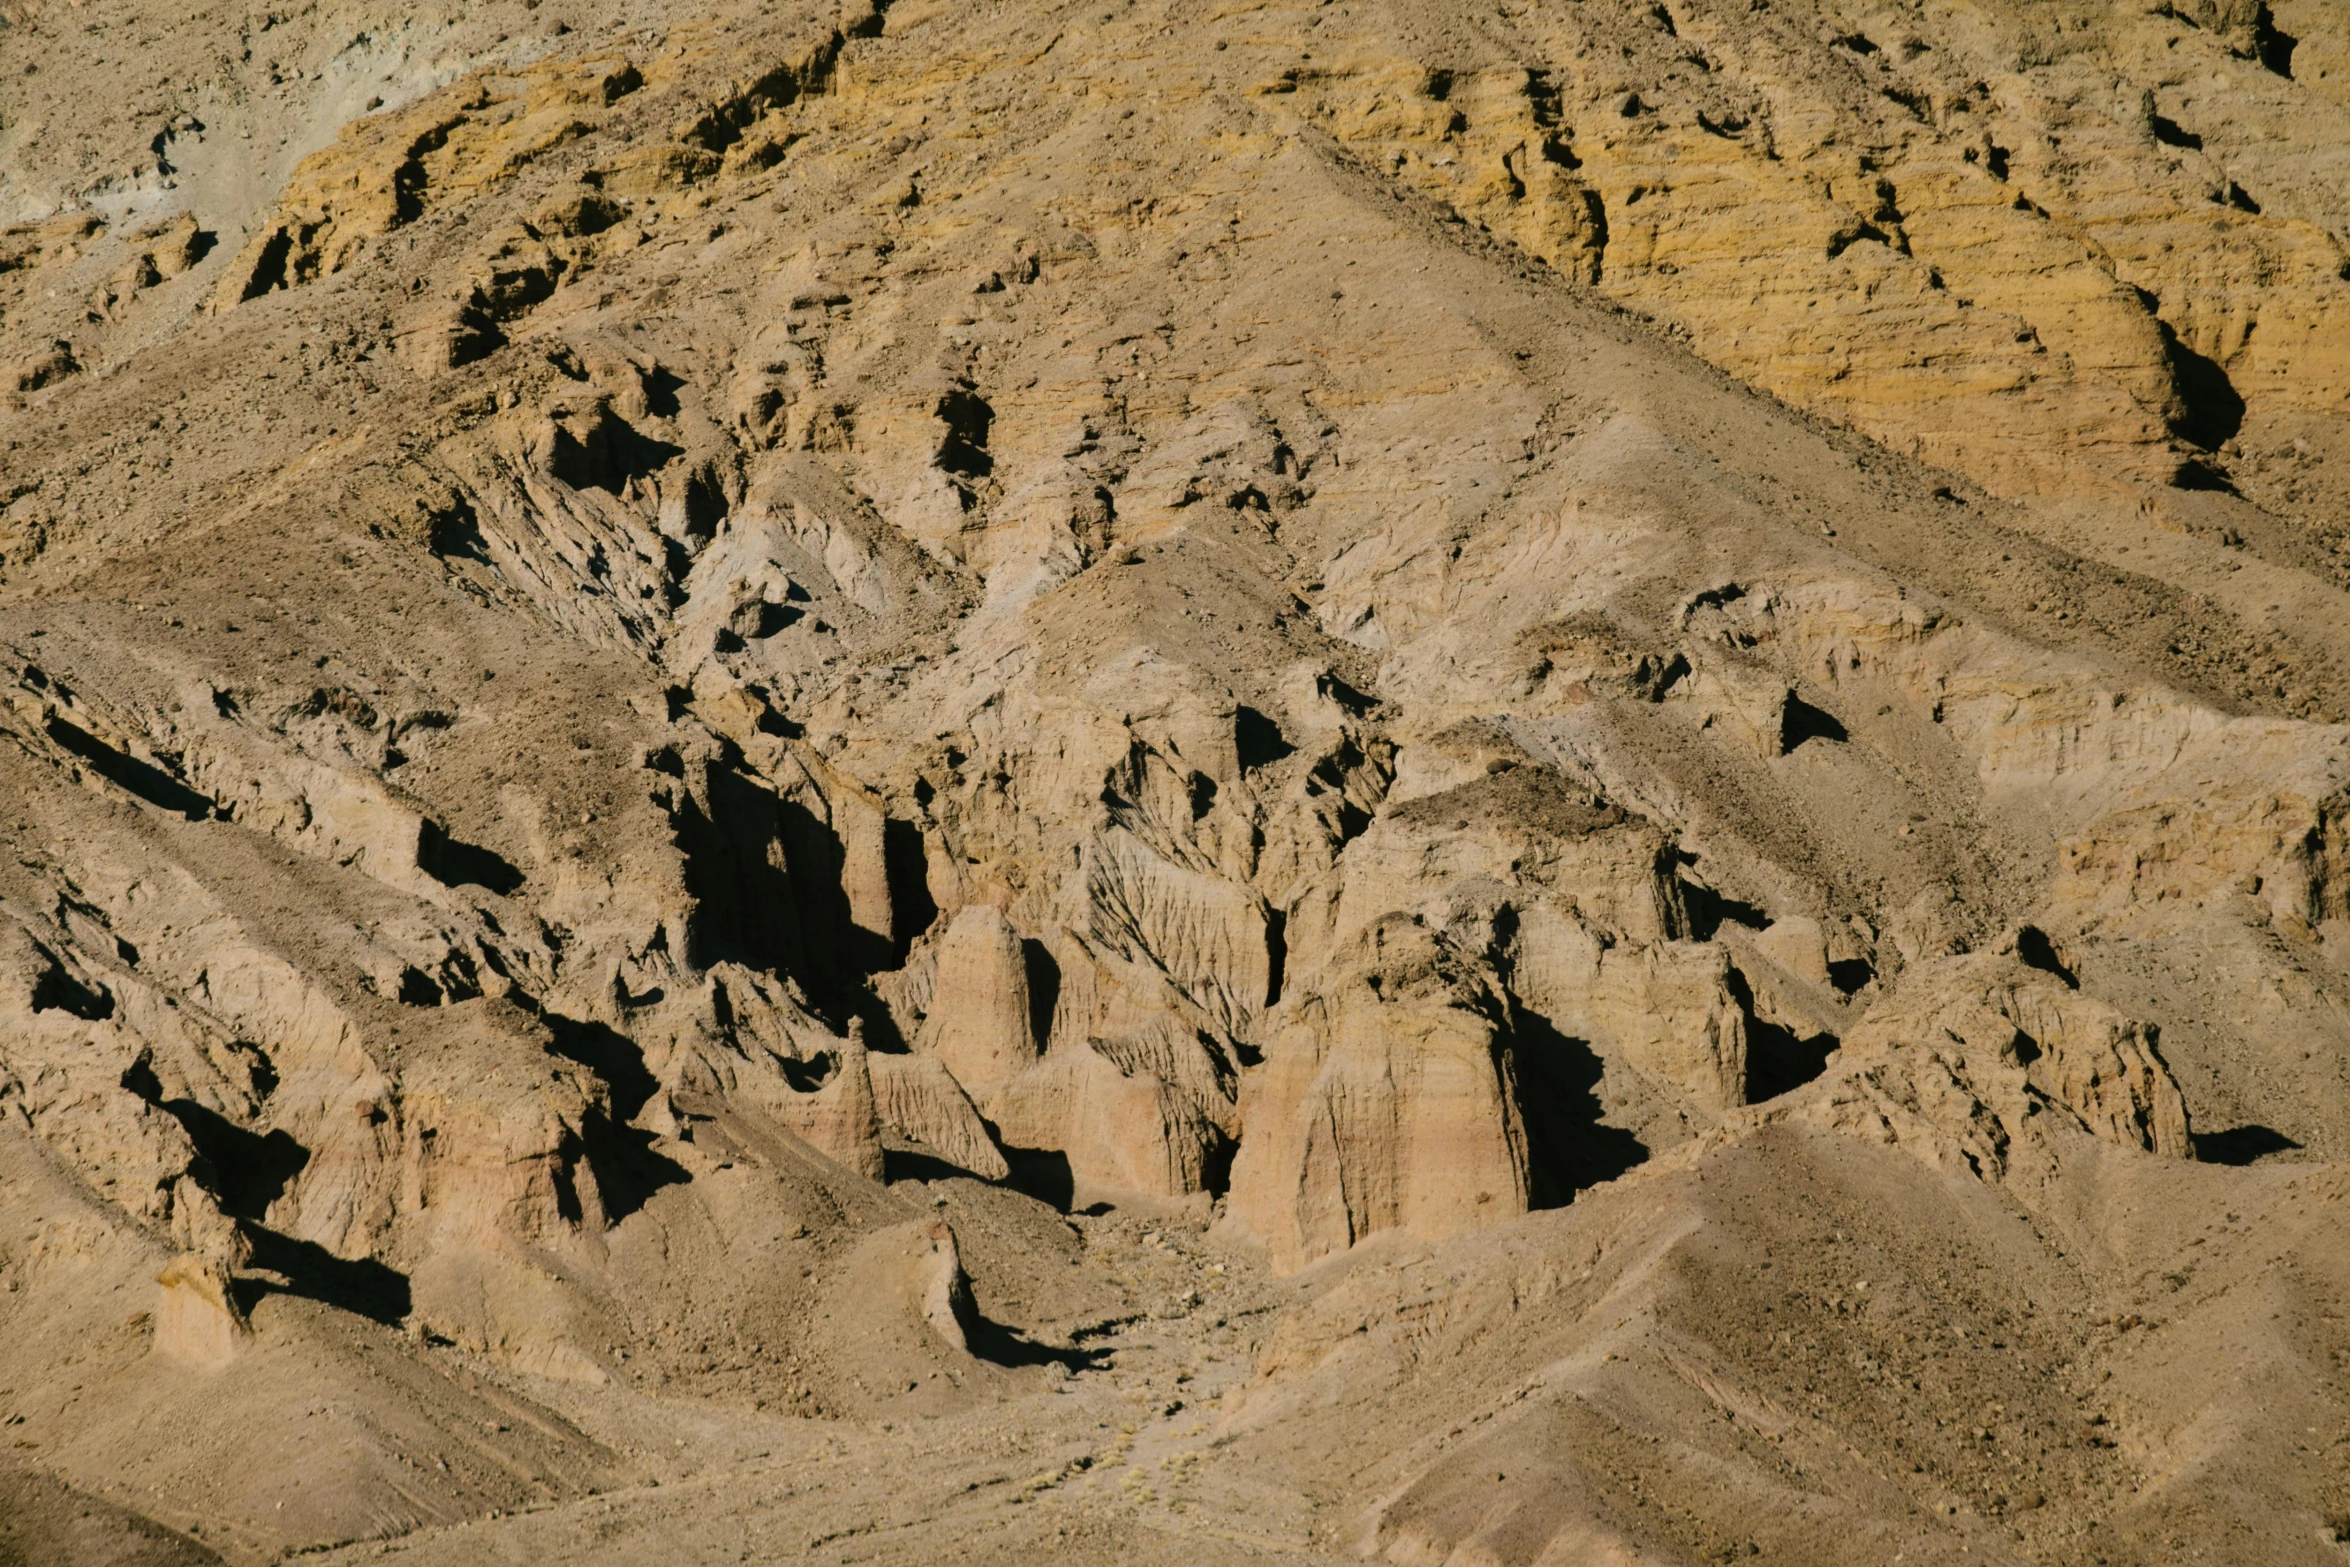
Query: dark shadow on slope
x,y
2214,409
1276,974
748,901
2033,947
365,1287
1004,1346
1568,1146
661,388
627,1167
1044,1174
58,991
832,950
1258,739
608,1053
244,1169
457,864
1848,975
250,1170
2274,48
919,1164
604,452
1709,910
962,451
2241,1145
1800,721
906,865
144,780
1777,1058
808,1074
454,533
1044,988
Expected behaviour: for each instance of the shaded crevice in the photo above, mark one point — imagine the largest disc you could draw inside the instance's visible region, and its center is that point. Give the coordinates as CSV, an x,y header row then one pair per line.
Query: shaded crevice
x,y
2213,410
962,452
1709,910
1276,954
1257,739
1849,975
58,991
2271,47
250,1170
614,1057
1568,1145
827,950
1042,1173
454,533
143,780
905,867
627,1167
605,452
245,1171
1777,1058
2033,947
1044,989
740,874
269,268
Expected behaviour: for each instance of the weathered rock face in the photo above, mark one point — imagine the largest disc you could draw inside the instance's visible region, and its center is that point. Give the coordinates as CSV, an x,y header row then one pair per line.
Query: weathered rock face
x,y
620,634
981,1024
917,1097
1974,1046
197,1318
1388,1099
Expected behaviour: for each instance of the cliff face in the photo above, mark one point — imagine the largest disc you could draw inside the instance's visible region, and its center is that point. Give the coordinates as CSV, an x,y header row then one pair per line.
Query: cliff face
x,y
1560,740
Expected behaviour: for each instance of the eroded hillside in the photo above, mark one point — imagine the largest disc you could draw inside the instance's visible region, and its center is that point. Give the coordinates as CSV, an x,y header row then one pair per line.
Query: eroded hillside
x,y
1548,781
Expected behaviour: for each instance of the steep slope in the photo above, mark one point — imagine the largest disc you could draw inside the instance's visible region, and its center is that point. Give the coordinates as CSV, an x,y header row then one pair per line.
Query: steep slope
x,y
1583,751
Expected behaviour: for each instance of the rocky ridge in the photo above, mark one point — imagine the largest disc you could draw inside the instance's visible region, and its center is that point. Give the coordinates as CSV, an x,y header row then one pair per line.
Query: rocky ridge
x,y
1544,783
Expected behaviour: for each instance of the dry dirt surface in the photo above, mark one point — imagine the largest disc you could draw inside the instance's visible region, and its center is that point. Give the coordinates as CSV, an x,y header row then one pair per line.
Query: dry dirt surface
x,y
1470,782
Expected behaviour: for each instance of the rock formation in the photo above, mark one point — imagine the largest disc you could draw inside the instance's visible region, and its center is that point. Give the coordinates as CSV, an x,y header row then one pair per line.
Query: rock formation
x,y
1511,782
197,1318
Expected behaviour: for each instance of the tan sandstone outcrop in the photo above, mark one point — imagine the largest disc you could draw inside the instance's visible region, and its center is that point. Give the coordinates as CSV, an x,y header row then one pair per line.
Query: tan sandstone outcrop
x,y
197,1318
917,1097
1388,1099
981,1025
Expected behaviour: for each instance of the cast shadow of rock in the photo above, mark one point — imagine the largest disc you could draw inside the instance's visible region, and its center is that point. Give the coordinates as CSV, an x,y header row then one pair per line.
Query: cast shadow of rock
x,y
1569,1147
245,1170
363,1287
141,780
627,1168
2241,1145
454,863
249,1170
916,1164
999,1345
1044,1174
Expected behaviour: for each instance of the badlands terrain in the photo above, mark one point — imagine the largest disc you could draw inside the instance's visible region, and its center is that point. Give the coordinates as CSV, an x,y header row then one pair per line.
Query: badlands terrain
x,y
1175,781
